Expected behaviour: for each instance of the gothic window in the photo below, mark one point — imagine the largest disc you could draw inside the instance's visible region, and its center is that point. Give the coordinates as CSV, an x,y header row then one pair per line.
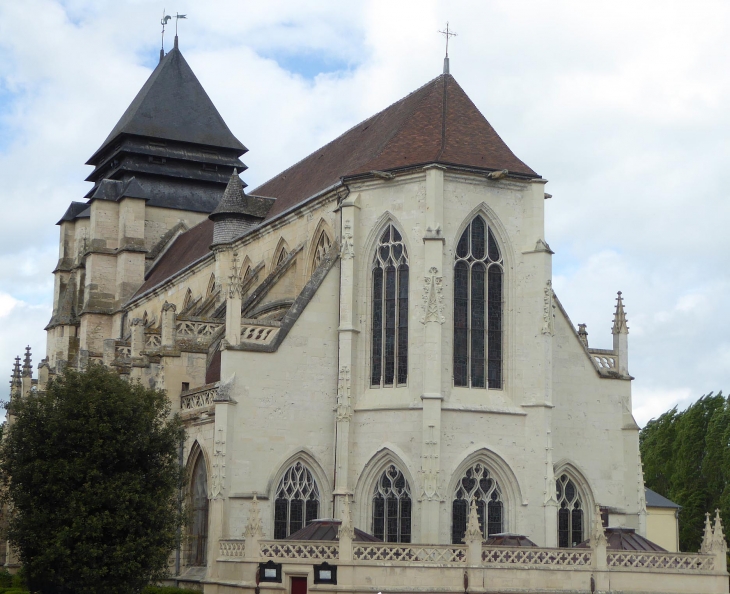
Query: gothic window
x,y
199,505
187,300
389,357
570,512
323,244
297,501
392,507
477,485
478,280
282,256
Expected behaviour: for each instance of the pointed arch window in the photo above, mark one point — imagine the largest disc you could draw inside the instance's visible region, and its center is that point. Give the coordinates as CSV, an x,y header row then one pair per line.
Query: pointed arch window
x,y
297,501
320,249
282,256
389,354
570,512
477,484
478,289
211,286
392,507
199,503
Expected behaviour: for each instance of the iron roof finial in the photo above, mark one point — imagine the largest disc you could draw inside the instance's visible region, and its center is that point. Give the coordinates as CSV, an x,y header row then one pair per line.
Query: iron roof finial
x,y
163,21
447,33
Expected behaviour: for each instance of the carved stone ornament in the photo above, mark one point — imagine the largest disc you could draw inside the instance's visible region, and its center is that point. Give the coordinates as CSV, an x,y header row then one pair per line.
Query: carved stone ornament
x,y
347,249
547,309
254,527
235,282
219,466
598,535
347,530
344,403
433,297
169,306
473,531
430,473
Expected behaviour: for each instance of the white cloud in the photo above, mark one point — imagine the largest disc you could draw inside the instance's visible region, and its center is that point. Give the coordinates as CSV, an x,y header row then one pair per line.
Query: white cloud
x,y
625,116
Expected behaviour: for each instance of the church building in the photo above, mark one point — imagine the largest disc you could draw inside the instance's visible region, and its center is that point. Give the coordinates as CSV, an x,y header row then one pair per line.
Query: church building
x,y
380,388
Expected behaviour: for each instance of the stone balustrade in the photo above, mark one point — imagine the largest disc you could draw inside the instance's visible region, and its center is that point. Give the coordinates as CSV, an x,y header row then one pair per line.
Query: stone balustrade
x,y
605,361
199,398
494,557
259,331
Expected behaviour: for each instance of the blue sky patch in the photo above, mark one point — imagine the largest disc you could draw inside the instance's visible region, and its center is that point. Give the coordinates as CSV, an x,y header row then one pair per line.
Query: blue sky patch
x,y
308,64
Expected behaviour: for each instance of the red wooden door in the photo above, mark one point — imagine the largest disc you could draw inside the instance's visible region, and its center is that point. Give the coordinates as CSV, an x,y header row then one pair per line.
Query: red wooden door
x,y
299,585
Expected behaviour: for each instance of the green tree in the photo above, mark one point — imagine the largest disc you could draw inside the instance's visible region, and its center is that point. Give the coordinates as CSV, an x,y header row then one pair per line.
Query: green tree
x,y
90,469
686,459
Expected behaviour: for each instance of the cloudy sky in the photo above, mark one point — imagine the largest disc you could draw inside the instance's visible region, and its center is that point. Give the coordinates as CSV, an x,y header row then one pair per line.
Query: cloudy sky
x,y
622,105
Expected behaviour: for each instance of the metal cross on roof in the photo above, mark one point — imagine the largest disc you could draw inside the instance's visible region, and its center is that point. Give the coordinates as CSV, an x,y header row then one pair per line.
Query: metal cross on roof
x,y
447,34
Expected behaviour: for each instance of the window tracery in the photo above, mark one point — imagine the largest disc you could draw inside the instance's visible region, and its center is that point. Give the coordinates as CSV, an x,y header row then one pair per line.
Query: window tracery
x,y
477,484
478,288
282,256
297,501
570,512
389,354
199,504
392,507
321,248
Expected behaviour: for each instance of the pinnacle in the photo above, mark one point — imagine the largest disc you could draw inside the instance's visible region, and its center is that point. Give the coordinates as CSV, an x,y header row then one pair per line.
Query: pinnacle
x,y
233,200
27,367
619,317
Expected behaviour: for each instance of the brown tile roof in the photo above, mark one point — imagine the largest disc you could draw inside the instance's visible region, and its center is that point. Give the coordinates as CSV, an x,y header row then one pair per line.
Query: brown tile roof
x,y
437,123
186,249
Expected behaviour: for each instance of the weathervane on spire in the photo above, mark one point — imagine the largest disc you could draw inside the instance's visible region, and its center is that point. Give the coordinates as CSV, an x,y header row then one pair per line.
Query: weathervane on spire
x,y
163,21
447,33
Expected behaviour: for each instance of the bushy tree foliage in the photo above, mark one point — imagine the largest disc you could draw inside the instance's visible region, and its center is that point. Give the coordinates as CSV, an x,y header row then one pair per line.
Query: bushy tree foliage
x,y
686,458
90,469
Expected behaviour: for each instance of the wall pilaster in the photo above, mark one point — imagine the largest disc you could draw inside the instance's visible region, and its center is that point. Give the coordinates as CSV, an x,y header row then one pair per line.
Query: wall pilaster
x,y
348,335
432,318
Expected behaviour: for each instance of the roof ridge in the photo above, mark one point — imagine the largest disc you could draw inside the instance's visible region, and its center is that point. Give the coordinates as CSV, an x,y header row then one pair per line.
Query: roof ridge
x,y
444,108
350,129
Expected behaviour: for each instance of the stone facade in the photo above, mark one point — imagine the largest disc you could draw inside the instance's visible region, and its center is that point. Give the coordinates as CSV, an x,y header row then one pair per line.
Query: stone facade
x,y
264,344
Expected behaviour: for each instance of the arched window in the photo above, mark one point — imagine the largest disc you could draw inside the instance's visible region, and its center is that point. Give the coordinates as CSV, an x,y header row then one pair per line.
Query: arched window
x,y
187,300
320,249
199,504
477,484
478,278
570,512
392,507
297,501
282,256
389,360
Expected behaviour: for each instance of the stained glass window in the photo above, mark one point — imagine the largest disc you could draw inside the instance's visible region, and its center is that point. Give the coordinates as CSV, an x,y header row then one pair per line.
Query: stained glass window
x,y
297,501
392,507
199,505
478,280
478,485
389,355
570,512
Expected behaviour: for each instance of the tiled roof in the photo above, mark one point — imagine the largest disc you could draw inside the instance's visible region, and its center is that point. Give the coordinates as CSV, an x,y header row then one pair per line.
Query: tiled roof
x,y
327,530
437,123
186,249
625,539
653,499
173,105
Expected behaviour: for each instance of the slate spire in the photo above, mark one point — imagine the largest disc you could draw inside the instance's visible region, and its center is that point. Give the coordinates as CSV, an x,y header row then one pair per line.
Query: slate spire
x,y
236,212
172,140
